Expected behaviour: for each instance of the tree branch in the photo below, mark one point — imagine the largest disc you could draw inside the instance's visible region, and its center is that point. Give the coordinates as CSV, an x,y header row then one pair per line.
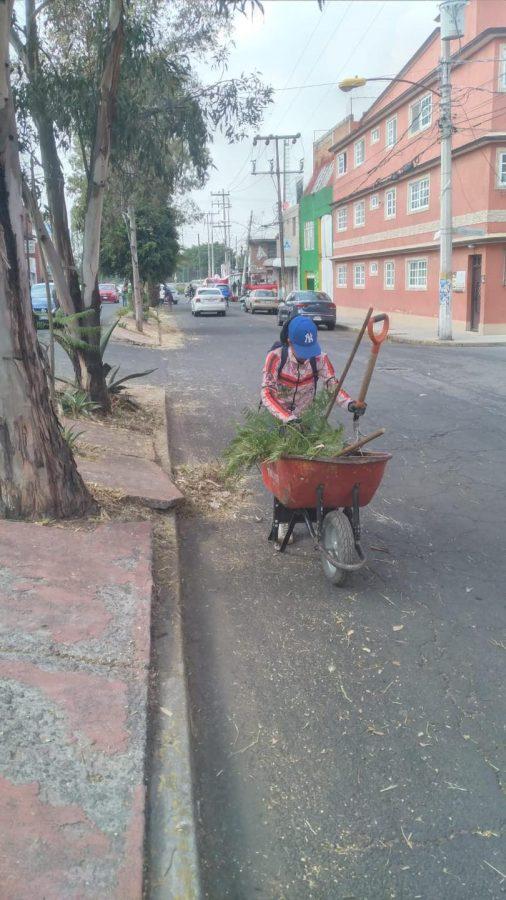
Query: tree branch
x,y
40,7
18,45
49,249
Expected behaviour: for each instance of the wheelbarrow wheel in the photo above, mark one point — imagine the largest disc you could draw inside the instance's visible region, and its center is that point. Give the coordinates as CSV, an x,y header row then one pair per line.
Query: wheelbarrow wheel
x,y
337,539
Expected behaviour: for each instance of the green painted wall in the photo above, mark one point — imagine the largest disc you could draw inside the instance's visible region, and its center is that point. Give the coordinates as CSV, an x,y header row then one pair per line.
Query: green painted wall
x,y
311,209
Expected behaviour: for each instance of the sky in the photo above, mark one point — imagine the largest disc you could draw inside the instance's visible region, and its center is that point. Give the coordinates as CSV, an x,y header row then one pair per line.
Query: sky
x,y
296,48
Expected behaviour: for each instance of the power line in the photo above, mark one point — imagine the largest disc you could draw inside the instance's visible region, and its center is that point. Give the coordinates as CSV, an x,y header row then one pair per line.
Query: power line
x,y
303,51
343,67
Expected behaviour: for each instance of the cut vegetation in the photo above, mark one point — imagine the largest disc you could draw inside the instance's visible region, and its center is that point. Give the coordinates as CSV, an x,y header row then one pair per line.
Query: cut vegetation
x,y
262,438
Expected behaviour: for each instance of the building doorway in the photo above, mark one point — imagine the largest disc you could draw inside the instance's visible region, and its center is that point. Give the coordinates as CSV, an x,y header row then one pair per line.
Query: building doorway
x,y
475,289
310,282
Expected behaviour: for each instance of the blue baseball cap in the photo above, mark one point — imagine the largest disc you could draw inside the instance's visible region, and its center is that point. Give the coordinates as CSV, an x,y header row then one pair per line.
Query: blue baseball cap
x,y
303,335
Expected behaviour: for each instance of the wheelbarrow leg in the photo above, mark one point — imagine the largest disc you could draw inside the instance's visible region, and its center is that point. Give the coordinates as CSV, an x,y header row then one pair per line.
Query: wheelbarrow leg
x,y
291,526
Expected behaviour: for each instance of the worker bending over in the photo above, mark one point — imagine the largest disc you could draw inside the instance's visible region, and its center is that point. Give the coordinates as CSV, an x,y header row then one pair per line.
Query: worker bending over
x,y
293,369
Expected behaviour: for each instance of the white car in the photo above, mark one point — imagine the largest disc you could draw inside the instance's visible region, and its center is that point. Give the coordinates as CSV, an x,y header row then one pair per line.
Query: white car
x,y
209,300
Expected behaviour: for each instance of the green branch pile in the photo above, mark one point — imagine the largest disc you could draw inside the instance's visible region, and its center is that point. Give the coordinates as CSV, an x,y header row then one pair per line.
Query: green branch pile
x,y
262,438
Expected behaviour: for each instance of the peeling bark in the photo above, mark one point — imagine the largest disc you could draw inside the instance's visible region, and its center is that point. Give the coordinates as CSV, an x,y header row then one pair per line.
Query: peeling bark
x,y
38,475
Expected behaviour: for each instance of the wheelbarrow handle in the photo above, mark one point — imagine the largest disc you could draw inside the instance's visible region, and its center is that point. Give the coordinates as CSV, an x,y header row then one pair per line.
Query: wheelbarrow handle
x,y
377,337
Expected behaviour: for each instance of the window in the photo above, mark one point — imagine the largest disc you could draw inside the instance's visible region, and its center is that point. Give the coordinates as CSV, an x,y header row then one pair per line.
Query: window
x,y
308,235
420,114
359,150
342,218
418,194
502,68
341,275
359,275
341,163
359,214
389,274
373,268
375,135
374,201
416,274
390,203
501,168
391,131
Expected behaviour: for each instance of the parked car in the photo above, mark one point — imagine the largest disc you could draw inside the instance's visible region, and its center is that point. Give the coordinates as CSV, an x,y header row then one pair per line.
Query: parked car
x,y
315,304
262,301
209,300
39,303
108,293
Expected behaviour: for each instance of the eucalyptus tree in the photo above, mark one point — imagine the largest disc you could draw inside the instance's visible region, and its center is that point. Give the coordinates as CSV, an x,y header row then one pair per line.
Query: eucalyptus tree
x,y
72,55
38,476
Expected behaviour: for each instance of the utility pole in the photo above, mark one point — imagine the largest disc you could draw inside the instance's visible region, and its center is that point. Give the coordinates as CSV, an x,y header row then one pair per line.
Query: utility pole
x,y
276,138
223,201
212,244
451,27
246,253
198,256
208,246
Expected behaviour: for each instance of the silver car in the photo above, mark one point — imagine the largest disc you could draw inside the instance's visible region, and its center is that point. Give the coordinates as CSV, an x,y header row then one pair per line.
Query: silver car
x,y
262,301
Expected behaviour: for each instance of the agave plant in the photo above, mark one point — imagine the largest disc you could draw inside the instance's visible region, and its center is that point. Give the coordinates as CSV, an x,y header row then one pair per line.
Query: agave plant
x,y
75,403
115,385
71,437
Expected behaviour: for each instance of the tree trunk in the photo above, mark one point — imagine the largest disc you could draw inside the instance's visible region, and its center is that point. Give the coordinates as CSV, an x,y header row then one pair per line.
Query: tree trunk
x,y
136,283
153,293
38,475
101,151
89,360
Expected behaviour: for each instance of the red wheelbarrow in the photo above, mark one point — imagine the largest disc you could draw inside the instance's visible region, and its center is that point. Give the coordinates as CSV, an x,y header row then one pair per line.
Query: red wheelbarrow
x,y
325,494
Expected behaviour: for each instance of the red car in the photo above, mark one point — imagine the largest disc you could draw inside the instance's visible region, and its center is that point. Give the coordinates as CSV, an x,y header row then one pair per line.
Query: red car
x,y
108,293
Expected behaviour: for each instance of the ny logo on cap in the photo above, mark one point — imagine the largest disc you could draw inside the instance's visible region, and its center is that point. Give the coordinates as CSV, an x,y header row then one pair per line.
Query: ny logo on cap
x,y
308,338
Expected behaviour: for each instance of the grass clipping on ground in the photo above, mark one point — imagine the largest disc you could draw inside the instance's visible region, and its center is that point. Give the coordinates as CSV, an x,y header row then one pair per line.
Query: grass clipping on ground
x,y
262,438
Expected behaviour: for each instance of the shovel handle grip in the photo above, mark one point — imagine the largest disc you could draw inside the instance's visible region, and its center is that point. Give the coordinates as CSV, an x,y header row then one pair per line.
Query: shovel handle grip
x,y
377,337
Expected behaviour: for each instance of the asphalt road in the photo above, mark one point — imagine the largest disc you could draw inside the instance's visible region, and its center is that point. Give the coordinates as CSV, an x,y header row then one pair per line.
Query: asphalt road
x,y
349,743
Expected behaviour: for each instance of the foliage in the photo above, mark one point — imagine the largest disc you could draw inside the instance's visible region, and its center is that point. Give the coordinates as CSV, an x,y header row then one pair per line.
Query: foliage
x,y
71,437
72,333
262,438
193,260
116,385
157,244
77,403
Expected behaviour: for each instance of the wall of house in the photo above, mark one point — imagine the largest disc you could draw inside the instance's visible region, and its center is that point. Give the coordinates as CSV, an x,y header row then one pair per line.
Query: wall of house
x,y
311,208
479,109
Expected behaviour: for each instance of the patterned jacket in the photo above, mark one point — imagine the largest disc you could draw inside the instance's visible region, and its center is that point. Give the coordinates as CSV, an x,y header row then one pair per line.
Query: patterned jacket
x,y
288,394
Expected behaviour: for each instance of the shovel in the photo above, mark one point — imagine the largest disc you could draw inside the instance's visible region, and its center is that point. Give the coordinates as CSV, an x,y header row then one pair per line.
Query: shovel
x,y
377,339
348,364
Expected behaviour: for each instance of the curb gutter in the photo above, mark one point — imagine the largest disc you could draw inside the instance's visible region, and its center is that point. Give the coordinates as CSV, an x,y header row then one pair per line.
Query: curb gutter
x,y
429,342
171,847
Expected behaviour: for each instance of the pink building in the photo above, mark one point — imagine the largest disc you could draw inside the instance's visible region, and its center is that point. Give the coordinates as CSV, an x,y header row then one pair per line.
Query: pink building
x,y
387,183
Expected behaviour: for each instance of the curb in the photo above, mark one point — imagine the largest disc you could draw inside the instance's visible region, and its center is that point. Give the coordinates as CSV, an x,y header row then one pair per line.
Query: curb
x,y
429,342
171,858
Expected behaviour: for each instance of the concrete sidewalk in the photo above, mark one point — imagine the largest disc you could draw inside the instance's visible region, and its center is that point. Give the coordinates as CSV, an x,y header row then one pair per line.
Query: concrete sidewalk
x,y
406,333
74,661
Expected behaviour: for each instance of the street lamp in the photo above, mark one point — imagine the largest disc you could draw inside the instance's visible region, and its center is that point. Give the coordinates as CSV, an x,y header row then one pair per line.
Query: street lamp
x,y
349,84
